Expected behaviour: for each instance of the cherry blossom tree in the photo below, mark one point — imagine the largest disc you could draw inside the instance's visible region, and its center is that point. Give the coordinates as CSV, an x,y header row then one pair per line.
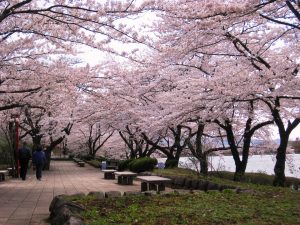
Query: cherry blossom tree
x,y
137,145
250,127
202,144
171,142
234,63
241,51
33,32
97,137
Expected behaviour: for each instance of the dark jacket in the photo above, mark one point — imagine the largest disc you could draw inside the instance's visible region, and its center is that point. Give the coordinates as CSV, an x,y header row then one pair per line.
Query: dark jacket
x,y
39,157
24,153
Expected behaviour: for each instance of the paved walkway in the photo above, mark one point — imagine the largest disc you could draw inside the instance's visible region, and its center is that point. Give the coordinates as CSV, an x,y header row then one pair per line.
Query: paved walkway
x,y
27,202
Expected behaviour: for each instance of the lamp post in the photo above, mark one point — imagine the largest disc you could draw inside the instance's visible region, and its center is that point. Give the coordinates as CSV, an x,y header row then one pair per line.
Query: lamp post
x,y
14,129
17,124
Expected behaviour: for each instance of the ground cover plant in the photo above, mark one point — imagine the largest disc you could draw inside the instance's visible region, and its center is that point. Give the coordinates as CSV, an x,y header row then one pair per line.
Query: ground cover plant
x,y
263,205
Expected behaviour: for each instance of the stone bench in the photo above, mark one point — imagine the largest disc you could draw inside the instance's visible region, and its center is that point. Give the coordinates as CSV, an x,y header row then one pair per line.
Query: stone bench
x,y
3,173
109,174
125,177
81,163
10,171
76,160
153,183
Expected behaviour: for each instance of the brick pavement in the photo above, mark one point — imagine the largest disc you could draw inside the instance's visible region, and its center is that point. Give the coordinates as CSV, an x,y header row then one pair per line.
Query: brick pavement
x,y
27,202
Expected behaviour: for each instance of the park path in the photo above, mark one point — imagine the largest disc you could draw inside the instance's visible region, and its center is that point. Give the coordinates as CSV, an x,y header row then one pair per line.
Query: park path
x,y
27,202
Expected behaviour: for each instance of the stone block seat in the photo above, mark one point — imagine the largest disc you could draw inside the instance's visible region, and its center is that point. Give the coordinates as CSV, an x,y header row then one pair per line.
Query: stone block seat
x,y
125,177
153,183
3,173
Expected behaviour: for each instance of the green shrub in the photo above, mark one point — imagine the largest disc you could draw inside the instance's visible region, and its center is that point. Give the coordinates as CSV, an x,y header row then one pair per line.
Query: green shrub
x,y
94,163
124,164
101,158
171,163
5,152
87,157
142,164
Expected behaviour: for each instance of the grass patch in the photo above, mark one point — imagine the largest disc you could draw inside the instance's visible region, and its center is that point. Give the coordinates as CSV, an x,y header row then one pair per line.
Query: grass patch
x,y
278,206
255,178
267,205
225,177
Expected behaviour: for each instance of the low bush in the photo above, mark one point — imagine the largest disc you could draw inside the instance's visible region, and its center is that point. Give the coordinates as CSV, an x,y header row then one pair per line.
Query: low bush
x,y
87,157
124,164
101,158
94,163
142,164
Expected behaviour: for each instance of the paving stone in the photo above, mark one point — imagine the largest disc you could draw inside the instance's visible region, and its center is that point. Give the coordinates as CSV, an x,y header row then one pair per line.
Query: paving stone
x,y
18,222
64,177
3,220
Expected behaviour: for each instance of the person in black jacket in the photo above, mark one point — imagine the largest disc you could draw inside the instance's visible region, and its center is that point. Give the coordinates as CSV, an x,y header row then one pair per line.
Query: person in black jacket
x,y
24,157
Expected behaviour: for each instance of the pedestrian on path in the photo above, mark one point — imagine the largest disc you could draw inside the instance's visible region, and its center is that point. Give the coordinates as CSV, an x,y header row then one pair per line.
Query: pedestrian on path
x,y
39,160
24,157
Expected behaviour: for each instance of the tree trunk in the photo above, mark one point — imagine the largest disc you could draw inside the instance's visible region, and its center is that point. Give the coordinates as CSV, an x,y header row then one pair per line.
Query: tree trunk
x,y
172,161
279,168
234,151
203,165
240,169
36,140
49,149
172,152
242,165
284,134
133,154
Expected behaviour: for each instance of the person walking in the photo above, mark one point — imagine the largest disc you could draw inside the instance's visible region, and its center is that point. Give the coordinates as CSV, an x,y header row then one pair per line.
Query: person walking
x,y
24,157
39,160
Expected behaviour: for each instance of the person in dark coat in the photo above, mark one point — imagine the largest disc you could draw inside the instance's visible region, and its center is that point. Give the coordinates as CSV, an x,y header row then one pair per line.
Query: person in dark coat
x,y
39,160
24,157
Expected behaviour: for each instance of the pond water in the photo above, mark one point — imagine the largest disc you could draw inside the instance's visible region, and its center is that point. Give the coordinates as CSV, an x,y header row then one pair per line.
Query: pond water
x,y
256,163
